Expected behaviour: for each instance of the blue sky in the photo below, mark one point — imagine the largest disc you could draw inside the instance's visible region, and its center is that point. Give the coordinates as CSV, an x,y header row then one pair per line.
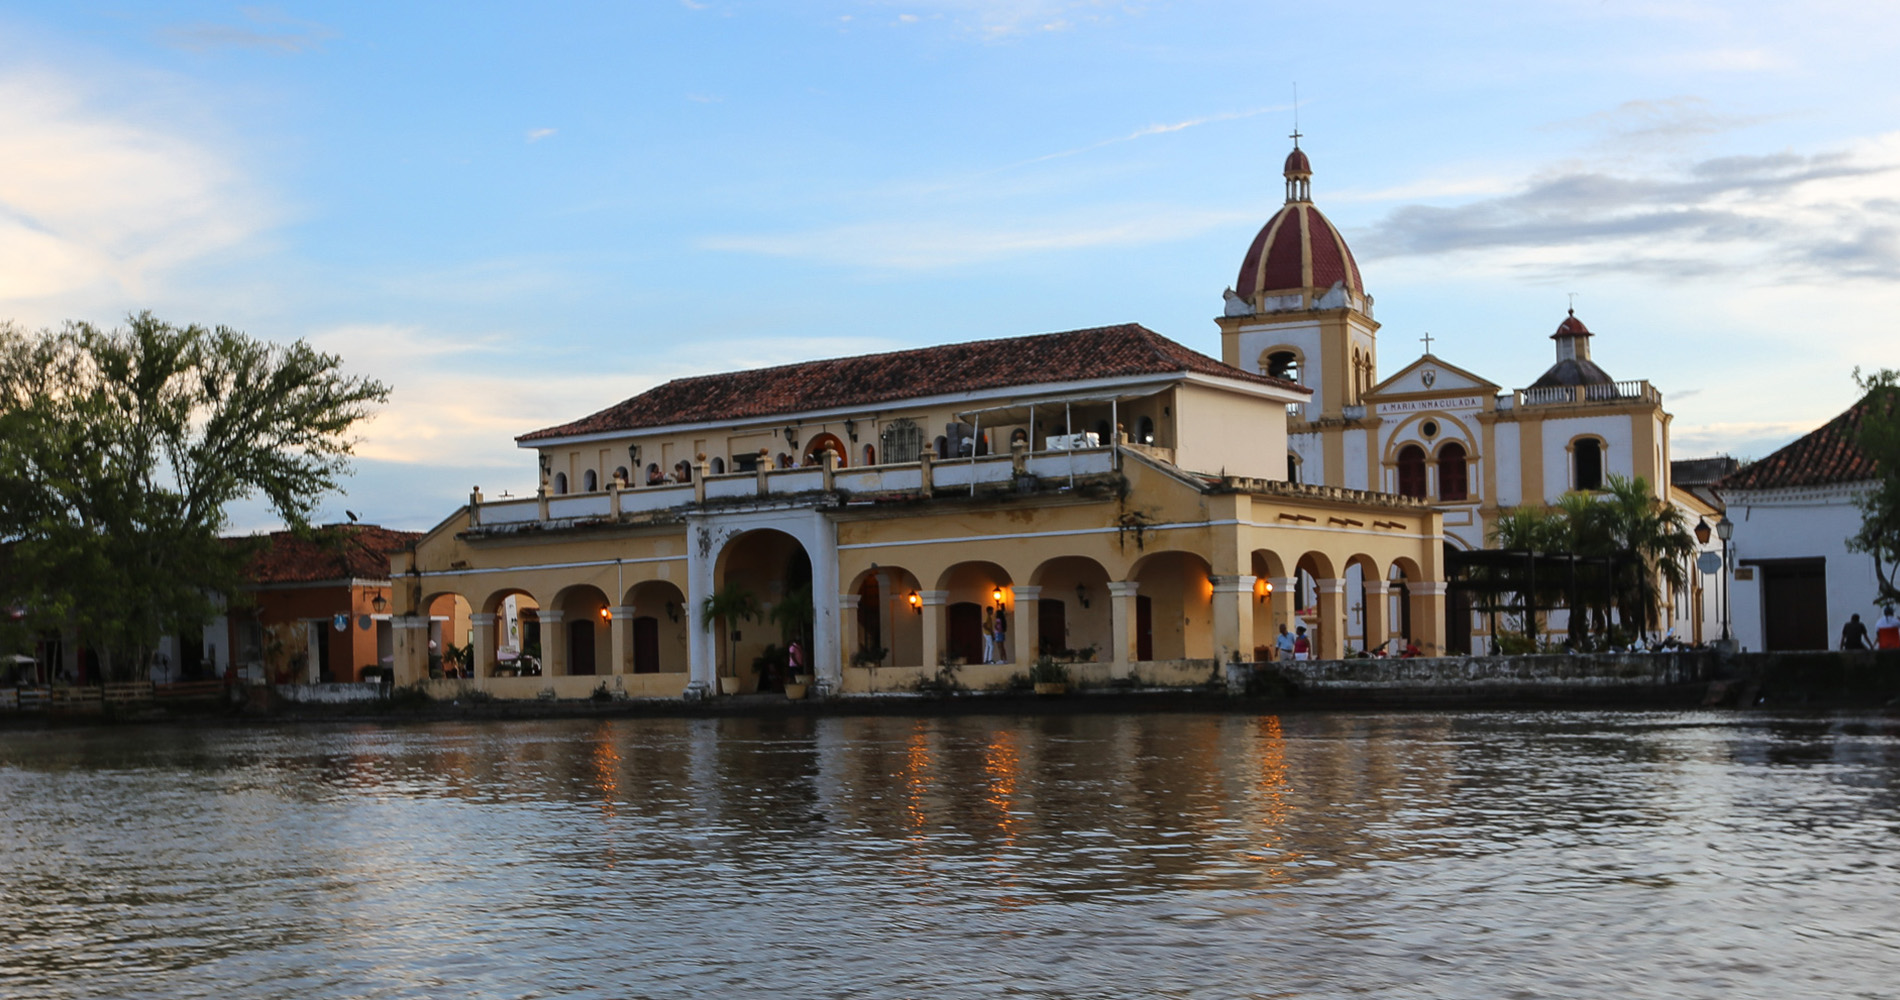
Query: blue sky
x,y
519,214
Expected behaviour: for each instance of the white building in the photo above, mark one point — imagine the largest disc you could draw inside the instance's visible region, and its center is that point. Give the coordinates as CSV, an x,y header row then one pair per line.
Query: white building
x,y
1795,582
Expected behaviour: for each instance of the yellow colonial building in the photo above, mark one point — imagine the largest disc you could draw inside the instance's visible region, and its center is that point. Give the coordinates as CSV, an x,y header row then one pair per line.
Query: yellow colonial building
x,y
1106,497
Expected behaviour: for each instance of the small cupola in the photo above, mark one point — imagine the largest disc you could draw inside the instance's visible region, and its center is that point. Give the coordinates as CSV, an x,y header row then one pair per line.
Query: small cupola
x,y
1573,339
1299,174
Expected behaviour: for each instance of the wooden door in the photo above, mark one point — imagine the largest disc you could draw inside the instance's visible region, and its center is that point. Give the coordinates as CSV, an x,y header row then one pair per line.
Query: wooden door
x,y
966,632
580,647
1794,604
646,645
1051,627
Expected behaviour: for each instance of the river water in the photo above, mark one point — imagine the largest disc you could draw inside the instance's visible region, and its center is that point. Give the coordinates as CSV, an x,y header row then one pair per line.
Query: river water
x,y
1468,855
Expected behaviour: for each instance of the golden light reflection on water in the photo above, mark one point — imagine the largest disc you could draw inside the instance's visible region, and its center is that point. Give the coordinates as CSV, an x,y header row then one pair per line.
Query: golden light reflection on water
x,y
1274,794
1002,771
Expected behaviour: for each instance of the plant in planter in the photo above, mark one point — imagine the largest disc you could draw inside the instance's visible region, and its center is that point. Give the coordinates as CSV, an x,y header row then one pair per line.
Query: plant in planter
x,y
1049,675
870,656
729,605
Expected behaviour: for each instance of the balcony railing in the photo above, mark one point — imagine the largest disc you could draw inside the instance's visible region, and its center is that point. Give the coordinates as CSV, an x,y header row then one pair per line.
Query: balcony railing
x,y
909,478
1611,392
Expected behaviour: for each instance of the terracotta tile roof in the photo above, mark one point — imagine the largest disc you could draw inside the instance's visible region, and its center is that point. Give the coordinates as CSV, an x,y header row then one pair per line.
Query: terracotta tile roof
x,y
333,552
874,379
1829,454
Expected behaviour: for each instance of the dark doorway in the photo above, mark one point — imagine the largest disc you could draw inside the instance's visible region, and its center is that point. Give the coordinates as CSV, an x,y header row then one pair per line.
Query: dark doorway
x,y
1052,627
1144,628
1794,604
966,632
191,655
580,647
323,651
646,645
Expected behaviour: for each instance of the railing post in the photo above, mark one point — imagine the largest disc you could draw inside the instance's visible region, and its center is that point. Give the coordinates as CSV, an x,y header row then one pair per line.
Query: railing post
x,y
924,462
475,507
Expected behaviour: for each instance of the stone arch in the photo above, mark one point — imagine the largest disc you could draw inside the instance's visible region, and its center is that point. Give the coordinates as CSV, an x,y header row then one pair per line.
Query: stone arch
x,y
1074,608
449,615
560,484
774,565
1589,463
1174,605
889,615
970,589
1282,361
820,443
659,625
511,626
581,632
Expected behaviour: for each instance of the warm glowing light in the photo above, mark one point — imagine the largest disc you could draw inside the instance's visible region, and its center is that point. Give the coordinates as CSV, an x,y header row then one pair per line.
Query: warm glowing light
x,y
916,602
997,594
605,614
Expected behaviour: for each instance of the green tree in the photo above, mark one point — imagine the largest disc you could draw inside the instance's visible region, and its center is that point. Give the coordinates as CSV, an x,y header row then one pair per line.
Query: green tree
x,y
730,605
121,450
1879,440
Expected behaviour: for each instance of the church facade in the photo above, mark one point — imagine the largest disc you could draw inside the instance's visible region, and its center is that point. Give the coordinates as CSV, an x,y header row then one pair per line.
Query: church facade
x,y
1432,430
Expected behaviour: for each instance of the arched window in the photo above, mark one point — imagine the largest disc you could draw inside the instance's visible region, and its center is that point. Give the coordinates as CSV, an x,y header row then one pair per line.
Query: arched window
x,y
943,446
1282,364
785,461
560,483
718,466
654,477
1018,436
870,454
1104,434
590,483
1292,467
1145,430
1588,454
1451,472
683,471
623,475
1412,471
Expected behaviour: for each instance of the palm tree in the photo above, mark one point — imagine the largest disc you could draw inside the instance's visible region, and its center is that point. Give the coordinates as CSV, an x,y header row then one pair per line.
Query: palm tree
x,y
1655,533
730,604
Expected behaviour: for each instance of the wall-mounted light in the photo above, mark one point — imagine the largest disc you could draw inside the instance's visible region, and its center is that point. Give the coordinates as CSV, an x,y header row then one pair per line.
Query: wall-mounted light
x,y
1264,589
379,604
633,454
1702,531
997,595
547,463
851,430
916,602
673,612
1082,594
605,614
791,435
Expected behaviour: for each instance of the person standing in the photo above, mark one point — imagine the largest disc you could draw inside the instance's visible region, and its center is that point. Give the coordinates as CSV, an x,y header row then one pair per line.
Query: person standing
x,y
989,635
1887,629
1302,647
1283,645
999,638
1854,634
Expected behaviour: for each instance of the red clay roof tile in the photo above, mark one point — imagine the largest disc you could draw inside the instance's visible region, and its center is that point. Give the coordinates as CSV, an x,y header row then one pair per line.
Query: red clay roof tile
x,y
1829,454
875,379
333,552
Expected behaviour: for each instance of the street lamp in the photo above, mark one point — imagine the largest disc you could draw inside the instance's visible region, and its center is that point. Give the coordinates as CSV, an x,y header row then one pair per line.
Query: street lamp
x,y
1725,529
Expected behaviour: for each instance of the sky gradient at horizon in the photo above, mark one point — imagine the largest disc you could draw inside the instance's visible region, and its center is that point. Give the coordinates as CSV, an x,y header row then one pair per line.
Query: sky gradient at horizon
x,y
517,216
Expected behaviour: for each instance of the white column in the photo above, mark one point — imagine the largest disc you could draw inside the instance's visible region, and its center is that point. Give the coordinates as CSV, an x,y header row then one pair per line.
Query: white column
x,y
553,643
702,646
482,651
1121,627
1026,630
621,626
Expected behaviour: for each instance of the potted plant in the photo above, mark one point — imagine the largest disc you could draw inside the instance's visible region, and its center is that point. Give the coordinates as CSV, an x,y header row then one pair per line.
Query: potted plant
x,y
1049,676
729,605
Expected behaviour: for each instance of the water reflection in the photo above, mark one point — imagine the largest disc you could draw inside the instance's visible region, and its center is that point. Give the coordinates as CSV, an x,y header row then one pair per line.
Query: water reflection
x,y
1471,855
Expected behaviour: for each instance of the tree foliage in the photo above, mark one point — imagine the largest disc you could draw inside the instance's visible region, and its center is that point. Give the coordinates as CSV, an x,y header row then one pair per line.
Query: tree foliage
x,y
1645,539
731,604
1879,440
121,450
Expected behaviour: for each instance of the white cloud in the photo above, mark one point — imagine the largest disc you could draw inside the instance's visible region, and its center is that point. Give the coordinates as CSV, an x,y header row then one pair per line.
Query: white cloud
x,y
100,202
264,28
538,134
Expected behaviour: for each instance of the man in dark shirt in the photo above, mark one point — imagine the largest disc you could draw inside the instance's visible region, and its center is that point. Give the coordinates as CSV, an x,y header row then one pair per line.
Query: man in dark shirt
x,y
1854,635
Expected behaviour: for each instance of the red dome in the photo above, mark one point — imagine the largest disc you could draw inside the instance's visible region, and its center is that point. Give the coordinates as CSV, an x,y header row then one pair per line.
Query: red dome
x,y
1298,250
1571,327
1297,163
